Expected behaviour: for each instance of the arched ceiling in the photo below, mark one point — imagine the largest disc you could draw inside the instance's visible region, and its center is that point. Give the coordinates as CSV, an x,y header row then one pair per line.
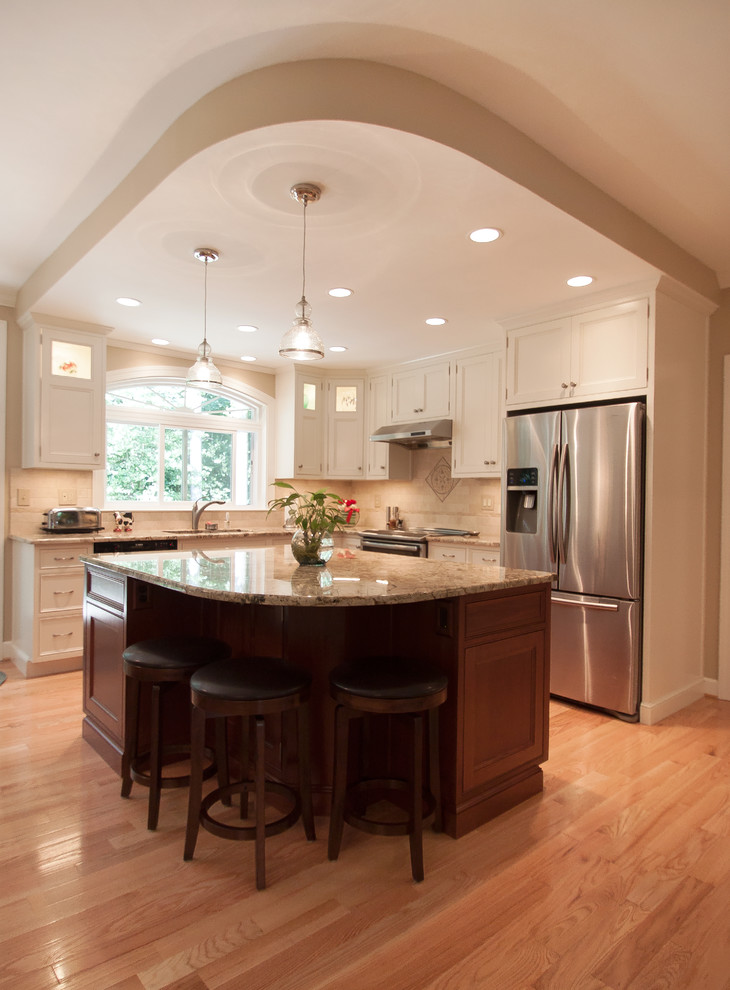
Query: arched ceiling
x,y
608,93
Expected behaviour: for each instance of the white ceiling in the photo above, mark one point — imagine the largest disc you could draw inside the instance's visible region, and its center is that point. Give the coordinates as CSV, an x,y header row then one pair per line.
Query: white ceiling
x,y
634,96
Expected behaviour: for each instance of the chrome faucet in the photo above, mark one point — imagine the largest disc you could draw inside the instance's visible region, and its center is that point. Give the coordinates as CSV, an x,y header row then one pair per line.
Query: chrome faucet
x,y
198,512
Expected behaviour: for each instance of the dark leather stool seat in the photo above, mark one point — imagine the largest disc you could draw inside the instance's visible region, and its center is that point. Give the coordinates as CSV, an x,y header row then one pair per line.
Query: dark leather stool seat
x,y
160,663
396,686
249,688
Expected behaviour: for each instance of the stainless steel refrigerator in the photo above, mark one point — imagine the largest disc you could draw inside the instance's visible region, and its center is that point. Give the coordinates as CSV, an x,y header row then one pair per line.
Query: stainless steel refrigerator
x,y
572,504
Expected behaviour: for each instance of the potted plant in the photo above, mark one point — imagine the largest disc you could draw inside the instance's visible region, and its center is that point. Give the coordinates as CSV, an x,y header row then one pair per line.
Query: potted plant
x,y
316,516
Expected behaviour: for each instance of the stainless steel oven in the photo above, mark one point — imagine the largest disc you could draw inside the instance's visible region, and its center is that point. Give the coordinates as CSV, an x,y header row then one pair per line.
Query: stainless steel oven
x,y
404,542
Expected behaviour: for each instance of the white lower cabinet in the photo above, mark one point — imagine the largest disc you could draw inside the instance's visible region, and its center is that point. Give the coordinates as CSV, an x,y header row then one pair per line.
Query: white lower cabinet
x,y
47,630
461,553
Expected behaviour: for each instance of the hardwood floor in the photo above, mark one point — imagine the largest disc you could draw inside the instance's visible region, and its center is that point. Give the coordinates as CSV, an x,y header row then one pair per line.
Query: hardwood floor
x,y
617,876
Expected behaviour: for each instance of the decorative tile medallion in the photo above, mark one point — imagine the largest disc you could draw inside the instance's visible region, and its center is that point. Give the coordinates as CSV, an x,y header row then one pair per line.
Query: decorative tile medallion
x,y
439,479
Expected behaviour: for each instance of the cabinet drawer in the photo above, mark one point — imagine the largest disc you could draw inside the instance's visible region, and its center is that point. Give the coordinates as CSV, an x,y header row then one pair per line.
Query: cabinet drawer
x,y
440,552
61,591
106,587
498,614
61,635
482,556
61,556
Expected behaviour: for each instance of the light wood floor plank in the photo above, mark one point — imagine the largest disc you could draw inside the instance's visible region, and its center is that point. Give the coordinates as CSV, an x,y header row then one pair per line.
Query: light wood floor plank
x,y
617,877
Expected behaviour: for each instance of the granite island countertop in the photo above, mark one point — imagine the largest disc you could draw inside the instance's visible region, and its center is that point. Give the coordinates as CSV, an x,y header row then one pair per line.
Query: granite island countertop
x,y
108,536
271,576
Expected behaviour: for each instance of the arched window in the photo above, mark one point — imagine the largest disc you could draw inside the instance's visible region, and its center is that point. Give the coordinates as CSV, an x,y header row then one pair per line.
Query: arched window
x,y
168,444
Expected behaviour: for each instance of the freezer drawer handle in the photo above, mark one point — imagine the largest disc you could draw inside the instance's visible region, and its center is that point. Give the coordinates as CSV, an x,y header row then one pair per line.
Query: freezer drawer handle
x,y
603,606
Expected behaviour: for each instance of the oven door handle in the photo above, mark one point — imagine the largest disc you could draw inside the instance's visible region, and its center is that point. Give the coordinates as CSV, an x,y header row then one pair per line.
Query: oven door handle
x,y
392,546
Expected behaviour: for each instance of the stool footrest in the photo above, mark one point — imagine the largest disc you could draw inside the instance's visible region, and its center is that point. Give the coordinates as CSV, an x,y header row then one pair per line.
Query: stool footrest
x,y
247,833
377,826
139,767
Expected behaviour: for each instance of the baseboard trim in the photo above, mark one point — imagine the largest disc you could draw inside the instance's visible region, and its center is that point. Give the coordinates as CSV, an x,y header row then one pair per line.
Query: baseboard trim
x,y
653,712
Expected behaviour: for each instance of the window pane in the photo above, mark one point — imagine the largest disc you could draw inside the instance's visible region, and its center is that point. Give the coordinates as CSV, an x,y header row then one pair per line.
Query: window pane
x,y
198,464
346,398
70,360
309,396
133,455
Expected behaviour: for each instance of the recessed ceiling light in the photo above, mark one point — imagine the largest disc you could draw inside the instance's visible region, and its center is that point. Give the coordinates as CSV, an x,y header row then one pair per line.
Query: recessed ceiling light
x,y
247,357
247,328
436,321
127,301
337,348
580,280
340,292
160,341
485,234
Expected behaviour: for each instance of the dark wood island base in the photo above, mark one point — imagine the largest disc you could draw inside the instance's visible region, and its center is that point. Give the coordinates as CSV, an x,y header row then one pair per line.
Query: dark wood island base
x,y
493,645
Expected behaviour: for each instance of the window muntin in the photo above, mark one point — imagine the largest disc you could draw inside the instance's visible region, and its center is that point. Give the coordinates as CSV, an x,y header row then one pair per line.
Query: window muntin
x,y
168,445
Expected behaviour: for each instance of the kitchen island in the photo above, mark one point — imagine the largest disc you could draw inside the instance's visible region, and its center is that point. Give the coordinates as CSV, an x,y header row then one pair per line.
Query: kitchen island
x,y
487,627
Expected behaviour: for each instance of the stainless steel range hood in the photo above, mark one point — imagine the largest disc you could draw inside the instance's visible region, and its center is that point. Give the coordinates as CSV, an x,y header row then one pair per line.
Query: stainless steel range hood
x,y
430,433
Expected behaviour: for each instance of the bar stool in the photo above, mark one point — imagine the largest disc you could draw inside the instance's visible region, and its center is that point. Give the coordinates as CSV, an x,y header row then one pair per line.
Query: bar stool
x,y
397,686
161,663
249,688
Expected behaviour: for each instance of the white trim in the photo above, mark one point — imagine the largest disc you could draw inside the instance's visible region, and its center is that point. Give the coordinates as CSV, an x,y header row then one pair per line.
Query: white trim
x,y
3,379
650,714
723,652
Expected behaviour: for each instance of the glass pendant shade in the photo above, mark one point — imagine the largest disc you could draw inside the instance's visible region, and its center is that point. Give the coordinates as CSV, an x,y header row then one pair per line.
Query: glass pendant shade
x,y
302,342
204,372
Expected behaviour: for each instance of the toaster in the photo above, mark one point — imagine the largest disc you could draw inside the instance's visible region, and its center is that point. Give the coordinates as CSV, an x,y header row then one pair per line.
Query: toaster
x,y
71,519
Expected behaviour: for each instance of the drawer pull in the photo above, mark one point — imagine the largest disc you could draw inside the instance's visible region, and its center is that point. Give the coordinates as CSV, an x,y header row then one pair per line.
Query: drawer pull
x,y
69,592
64,558
61,635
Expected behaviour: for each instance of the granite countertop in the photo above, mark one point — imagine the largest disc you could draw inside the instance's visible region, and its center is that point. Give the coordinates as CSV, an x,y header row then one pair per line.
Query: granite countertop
x,y
271,576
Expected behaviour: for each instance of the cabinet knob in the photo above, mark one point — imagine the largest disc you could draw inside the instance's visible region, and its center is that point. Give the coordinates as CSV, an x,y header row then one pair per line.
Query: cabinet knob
x,y
299,467
574,384
97,453
563,384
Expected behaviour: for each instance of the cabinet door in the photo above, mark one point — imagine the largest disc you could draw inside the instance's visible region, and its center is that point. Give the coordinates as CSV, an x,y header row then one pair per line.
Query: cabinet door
x,y
420,393
309,417
71,399
377,459
104,643
345,428
610,349
477,441
511,673
538,362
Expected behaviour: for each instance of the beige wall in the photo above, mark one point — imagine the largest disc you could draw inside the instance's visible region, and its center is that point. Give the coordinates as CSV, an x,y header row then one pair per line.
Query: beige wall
x,y
719,346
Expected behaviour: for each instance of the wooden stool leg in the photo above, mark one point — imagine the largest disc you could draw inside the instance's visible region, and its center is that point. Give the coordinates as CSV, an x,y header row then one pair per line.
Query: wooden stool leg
x,y
434,765
131,728
416,833
260,804
305,771
153,810
339,781
221,754
195,794
244,758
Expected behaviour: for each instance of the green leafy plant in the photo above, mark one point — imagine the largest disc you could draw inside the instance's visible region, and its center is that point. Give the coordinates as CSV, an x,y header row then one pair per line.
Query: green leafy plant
x,y
314,513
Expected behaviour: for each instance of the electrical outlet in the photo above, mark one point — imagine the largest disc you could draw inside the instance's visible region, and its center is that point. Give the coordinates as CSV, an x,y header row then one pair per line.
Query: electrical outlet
x,y
67,496
24,496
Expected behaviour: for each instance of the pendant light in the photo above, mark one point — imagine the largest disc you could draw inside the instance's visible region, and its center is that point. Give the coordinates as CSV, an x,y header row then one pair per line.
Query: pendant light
x,y
204,372
302,342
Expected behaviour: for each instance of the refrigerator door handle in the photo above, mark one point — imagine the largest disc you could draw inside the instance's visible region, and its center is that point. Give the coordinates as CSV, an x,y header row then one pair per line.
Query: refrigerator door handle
x,y
552,517
604,606
562,508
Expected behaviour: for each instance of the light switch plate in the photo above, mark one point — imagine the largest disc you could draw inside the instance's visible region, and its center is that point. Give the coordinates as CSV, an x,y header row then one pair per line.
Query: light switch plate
x,y
24,496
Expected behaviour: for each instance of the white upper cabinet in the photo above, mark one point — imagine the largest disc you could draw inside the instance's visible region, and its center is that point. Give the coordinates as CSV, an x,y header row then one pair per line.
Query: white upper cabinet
x,y
478,411
599,353
64,372
300,419
421,392
345,428
384,460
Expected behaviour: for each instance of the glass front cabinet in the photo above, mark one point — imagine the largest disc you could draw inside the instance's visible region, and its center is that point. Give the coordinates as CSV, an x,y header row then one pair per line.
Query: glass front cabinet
x,y
64,372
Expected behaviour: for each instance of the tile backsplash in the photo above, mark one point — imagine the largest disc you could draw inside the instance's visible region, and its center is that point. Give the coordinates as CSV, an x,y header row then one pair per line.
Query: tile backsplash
x,y
431,498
